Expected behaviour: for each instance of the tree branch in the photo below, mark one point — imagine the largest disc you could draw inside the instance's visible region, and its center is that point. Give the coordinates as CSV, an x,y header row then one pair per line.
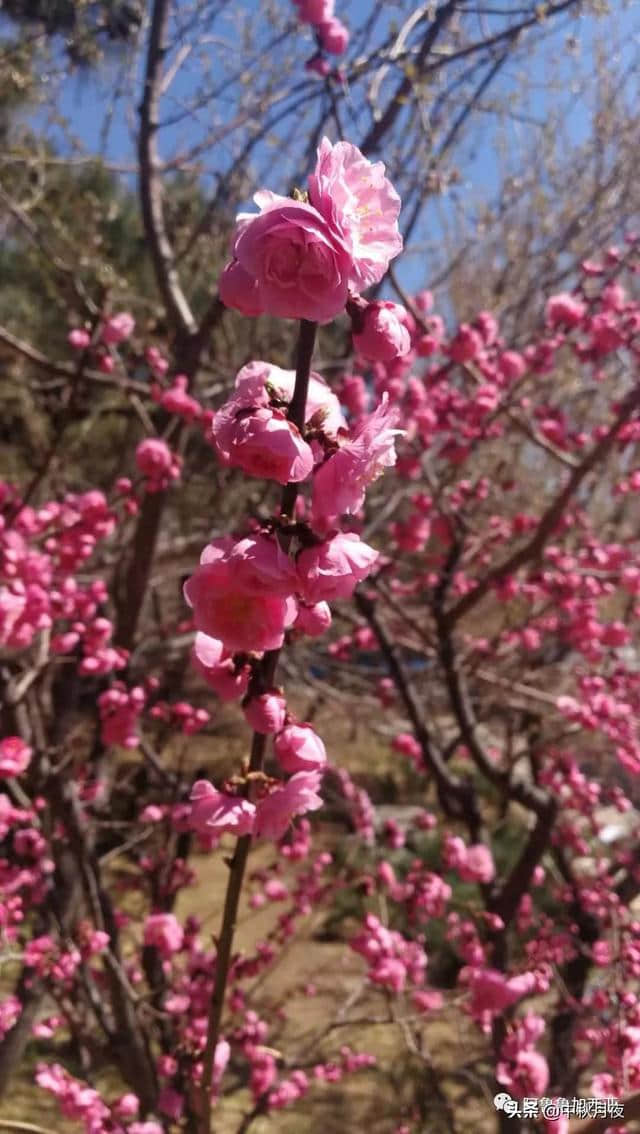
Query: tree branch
x,y
150,185
296,414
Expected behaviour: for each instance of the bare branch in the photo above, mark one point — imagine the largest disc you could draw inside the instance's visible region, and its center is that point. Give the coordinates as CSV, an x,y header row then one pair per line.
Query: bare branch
x,y
151,193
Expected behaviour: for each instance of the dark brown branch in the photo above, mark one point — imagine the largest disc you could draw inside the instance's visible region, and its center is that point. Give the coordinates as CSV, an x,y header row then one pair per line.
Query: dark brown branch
x,y
456,796
66,370
387,119
151,192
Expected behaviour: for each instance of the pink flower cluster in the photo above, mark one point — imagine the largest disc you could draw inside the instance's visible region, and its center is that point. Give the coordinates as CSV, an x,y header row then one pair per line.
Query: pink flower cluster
x,y
15,756
392,959
42,551
158,465
303,260
120,710
331,33
114,331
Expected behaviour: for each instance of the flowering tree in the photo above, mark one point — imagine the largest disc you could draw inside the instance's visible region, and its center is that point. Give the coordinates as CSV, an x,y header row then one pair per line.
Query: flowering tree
x,y
444,877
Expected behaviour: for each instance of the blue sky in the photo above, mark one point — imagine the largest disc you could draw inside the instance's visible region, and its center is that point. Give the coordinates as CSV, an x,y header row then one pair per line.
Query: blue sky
x,y
86,98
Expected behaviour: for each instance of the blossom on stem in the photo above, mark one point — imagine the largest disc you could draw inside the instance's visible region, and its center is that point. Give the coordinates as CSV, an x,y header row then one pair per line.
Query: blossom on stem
x,y
313,620
340,483
361,205
333,569
299,748
213,812
299,265
117,328
240,290
157,463
263,384
334,36
379,335
263,444
164,932
266,713
15,756
241,596
315,11
275,811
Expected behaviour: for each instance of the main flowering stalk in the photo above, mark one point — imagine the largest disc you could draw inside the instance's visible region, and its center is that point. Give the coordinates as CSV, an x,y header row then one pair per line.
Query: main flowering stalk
x,y
265,678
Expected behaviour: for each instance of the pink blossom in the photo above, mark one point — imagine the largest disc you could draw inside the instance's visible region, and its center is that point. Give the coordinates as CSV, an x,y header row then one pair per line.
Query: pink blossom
x,y
454,852
318,65
340,483
120,710
466,345
488,326
263,443
333,569
361,205
299,748
239,290
78,338
313,620
156,360
275,811
478,865
237,595
10,1010
378,332
127,1106
260,564
177,399
227,679
564,310
512,365
423,301
15,756
164,932
106,365
492,992
208,650
527,1076
353,394
406,743
315,11
428,1000
155,460
300,264
12,607
263,384
118,328
334,36
171,1103
266,713
213,812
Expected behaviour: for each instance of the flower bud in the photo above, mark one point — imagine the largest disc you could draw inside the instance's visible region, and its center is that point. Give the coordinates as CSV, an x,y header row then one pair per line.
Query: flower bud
x,y
379,333
299,748
334,36
267,712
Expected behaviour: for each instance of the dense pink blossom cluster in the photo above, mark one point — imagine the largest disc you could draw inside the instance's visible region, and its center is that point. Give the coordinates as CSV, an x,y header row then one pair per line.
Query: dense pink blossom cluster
x,y
42,550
